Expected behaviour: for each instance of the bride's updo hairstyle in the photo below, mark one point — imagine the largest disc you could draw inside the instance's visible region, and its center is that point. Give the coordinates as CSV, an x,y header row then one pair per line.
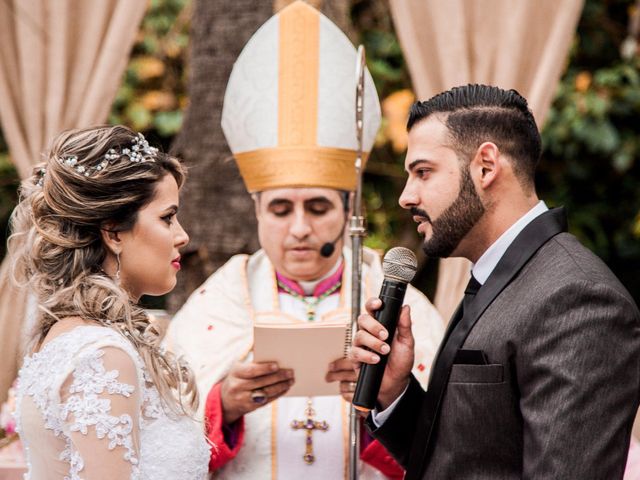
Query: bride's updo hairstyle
x,y
93,179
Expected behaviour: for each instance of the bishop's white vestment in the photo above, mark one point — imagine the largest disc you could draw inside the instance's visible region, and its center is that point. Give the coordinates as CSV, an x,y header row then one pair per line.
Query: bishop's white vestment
x,y
215,328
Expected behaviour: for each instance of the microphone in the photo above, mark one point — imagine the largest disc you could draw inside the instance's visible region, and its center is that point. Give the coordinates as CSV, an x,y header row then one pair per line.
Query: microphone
x,y
399,267
328,248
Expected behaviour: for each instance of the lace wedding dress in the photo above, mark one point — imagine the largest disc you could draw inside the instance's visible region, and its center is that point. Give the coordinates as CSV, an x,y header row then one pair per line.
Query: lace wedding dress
x,y
86,409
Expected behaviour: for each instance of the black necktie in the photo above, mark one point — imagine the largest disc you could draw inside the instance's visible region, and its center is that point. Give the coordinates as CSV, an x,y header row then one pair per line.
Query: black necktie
x,y
470,292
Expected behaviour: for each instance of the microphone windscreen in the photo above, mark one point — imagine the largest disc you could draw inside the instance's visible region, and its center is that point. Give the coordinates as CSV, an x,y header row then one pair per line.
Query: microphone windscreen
x,y
400,264
327,250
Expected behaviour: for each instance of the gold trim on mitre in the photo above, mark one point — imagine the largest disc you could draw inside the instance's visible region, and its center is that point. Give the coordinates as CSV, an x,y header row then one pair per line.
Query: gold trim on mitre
x,y
311,166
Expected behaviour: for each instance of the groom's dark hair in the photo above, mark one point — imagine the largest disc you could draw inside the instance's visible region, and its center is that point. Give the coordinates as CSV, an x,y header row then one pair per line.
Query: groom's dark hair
x,y
475,114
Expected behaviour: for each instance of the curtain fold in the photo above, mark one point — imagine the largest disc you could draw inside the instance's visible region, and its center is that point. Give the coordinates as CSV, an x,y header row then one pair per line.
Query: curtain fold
x,y
522,45
61,62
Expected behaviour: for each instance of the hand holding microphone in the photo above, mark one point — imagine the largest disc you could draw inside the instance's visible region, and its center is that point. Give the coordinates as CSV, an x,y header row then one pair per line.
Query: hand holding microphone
x,y
392,324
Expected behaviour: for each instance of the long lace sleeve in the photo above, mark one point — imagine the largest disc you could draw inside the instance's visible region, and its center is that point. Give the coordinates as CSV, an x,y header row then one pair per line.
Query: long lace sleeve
x,y
100,412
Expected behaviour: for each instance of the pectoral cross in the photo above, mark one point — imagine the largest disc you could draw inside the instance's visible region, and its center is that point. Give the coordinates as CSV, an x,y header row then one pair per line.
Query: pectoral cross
x,y
309,425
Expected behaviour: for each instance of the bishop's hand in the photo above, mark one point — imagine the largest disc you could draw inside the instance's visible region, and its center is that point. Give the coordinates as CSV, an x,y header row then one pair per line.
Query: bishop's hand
x,y
342,371
250,385
369,343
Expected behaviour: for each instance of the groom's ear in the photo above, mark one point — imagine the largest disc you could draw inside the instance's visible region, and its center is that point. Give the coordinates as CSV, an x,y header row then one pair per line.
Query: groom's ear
x,y
485,165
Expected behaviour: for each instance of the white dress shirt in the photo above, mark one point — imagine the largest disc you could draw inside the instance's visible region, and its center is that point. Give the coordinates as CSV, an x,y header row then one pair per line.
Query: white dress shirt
x,y
492,255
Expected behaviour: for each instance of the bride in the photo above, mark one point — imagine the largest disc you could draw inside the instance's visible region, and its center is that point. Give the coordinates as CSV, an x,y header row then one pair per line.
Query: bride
x,y
98,398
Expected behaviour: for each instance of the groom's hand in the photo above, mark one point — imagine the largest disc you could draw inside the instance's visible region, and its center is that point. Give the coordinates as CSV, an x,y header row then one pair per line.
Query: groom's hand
x,y
369,344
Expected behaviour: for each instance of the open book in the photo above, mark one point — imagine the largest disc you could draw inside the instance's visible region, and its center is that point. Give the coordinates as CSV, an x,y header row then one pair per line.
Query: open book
x,y
307,348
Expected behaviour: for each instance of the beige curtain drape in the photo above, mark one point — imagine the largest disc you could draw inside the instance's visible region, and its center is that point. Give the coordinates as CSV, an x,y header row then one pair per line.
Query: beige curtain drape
x,y
518,44
61,62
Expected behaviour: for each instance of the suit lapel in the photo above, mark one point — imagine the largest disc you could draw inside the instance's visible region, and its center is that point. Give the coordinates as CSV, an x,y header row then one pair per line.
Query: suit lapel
x,y
525,245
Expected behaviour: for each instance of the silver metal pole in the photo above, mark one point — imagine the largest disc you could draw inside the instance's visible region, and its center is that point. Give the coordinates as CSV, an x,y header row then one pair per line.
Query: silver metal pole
x,y
357,231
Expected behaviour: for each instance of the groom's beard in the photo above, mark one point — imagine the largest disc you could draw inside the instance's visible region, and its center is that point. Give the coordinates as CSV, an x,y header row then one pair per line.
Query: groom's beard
x,y
448,230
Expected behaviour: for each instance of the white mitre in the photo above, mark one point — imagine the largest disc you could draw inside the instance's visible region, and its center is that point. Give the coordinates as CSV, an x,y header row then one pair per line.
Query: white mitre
x,y
289,108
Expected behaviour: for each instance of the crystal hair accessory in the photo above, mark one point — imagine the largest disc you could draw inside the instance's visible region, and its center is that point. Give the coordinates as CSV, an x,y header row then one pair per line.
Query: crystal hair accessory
x,y
139,152
41,173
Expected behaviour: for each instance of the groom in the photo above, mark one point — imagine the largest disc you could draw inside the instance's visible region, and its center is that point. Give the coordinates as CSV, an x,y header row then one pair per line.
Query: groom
x,y
538,375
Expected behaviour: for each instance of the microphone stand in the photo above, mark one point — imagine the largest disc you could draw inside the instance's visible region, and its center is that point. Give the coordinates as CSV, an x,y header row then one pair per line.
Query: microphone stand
x,y
357,231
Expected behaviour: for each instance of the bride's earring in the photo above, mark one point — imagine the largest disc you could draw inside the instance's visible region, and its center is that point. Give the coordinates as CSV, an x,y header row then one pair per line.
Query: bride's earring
x,y
118,268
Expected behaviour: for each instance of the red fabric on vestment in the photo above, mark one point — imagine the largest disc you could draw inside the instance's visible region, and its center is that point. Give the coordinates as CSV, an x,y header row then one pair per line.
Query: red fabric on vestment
x,y
221,452
378,457
372,452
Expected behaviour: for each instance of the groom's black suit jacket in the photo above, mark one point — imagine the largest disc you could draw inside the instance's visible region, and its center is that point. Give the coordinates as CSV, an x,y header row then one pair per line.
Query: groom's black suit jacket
x,y
548,381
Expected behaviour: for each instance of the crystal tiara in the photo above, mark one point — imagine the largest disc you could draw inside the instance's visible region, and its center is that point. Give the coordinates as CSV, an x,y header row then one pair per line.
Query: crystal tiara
x,y
138,152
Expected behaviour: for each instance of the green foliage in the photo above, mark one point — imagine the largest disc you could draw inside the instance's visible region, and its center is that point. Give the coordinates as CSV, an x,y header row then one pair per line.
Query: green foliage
x,y
385,61
384,175
8,197
383,182
591,139
9,182
168,123
372,21
153,95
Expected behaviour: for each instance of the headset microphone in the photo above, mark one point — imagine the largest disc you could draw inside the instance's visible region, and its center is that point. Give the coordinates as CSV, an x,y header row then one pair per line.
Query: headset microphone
x,y
328,248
